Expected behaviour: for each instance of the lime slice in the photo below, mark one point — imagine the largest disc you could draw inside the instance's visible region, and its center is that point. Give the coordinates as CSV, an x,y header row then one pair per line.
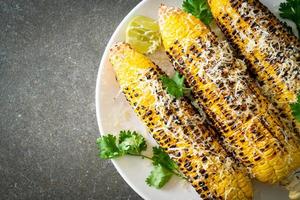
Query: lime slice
x,y
142,34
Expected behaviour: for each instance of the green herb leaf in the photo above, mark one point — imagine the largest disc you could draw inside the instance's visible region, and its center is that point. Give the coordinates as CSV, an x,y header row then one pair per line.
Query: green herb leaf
x,y
108,147
175,85
198,8
296,108
158,177
291,10
131,142
160,157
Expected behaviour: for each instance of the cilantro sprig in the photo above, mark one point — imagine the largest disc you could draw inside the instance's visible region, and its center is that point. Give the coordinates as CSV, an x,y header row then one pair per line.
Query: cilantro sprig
x,y
198,8
291,10
163,170
132,144
296,108
109,148
175,85
158,177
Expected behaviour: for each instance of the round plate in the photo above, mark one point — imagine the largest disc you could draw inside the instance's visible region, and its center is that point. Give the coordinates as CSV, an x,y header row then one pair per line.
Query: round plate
x,y
114,114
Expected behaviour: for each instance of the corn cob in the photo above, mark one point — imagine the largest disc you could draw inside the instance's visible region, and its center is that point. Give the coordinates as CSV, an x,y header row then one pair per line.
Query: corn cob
x,y
178,129
220,84
273,54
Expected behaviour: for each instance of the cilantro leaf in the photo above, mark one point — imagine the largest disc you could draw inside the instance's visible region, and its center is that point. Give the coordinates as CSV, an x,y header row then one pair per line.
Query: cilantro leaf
x,y
128,143
160,157
198,8
174,85
158,177
296,109
108,147
131,142
291,10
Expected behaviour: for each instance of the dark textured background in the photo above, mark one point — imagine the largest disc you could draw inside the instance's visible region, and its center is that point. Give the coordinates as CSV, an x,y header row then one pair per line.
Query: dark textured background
x,y
49,56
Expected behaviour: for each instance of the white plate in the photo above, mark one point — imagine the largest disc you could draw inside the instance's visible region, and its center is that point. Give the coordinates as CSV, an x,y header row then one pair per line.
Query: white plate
x,y
114,114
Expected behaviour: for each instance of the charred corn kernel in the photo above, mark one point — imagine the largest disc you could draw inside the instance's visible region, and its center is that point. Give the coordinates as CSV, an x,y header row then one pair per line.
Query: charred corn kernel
x,y
221,86
273,53
178,128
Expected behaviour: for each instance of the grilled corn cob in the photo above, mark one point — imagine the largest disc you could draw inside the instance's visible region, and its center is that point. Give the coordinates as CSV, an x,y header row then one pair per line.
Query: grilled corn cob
x,y
221,85
177,128
273,53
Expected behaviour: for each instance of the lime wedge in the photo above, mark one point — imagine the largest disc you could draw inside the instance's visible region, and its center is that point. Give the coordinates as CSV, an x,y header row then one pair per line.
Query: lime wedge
x,y
143,35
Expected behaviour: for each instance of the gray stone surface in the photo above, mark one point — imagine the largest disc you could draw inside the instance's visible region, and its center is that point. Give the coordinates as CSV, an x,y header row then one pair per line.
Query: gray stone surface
x,y
49,56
